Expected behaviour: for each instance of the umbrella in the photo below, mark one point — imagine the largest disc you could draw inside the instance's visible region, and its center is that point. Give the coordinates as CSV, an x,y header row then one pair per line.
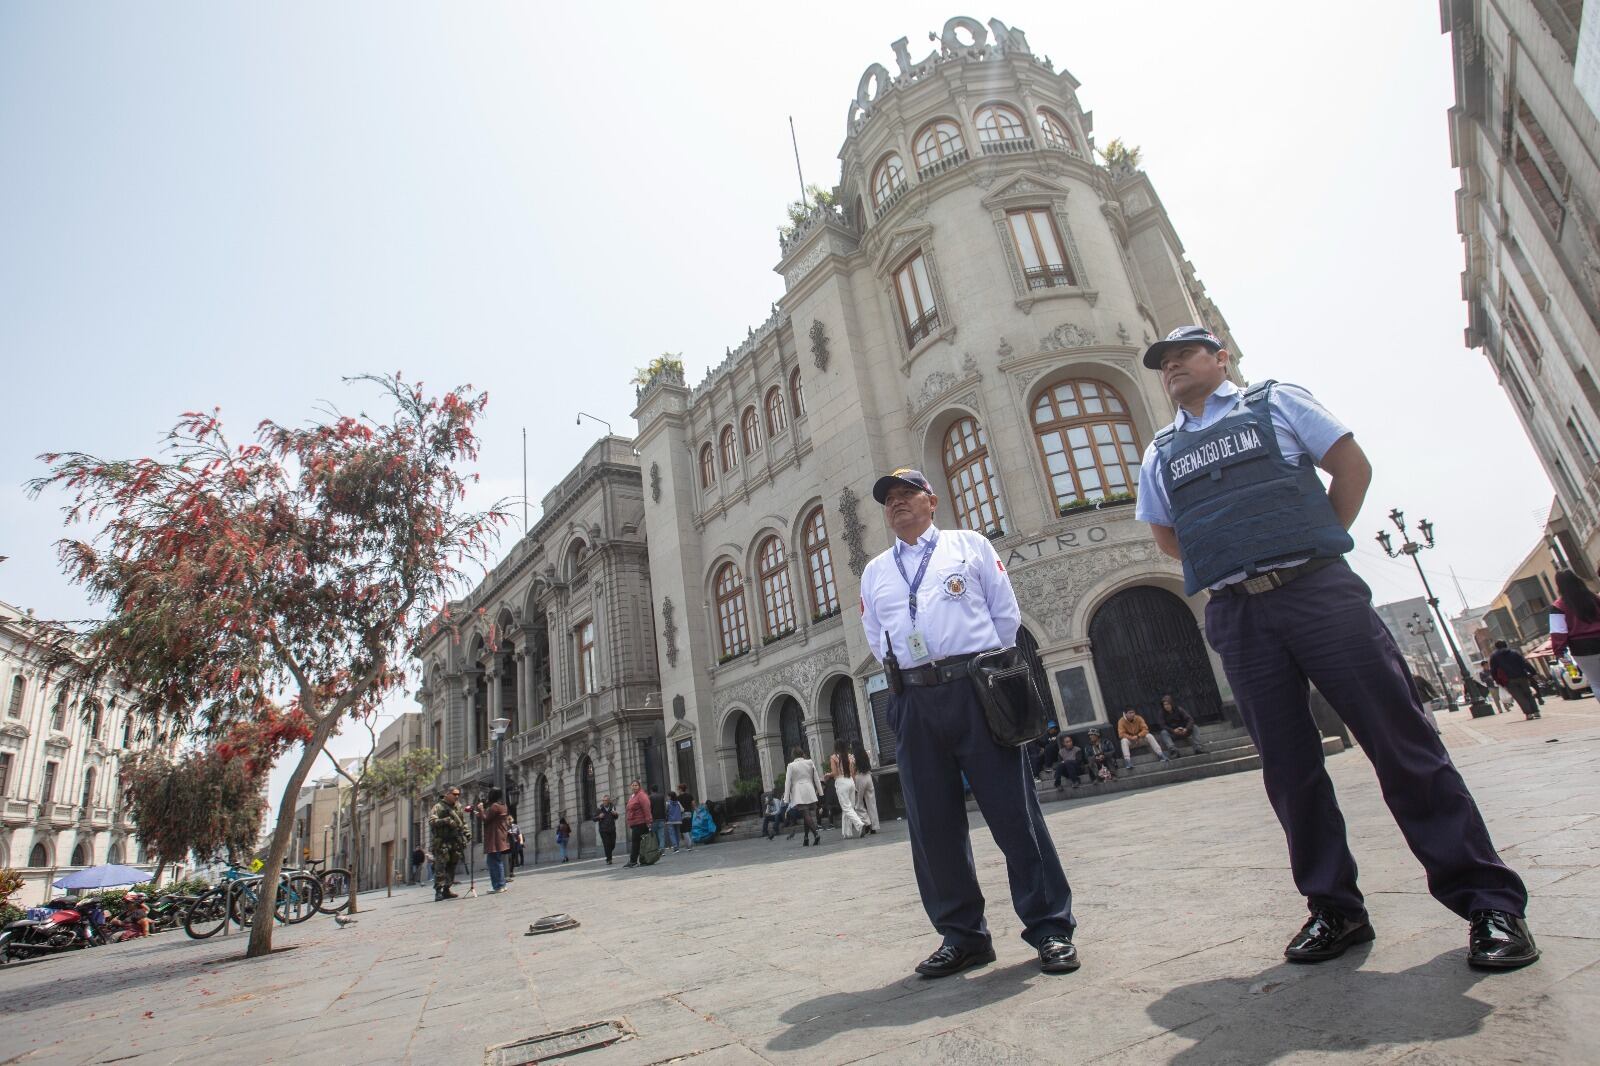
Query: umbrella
x,y
104,877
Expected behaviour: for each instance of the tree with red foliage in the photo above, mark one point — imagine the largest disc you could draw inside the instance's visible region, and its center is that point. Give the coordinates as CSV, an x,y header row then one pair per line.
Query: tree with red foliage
x,y
197,802
292,571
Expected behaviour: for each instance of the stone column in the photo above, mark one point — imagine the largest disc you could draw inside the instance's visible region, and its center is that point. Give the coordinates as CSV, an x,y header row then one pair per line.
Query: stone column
x,y
523,718
462,746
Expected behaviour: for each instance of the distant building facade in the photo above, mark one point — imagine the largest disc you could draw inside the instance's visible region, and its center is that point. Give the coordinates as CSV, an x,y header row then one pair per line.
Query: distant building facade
x,y
61,806
558,641
1528,147
974,306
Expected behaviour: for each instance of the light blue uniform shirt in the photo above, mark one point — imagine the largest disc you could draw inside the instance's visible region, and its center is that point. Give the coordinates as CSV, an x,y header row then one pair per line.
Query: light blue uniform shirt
x,y
964,604
1303,426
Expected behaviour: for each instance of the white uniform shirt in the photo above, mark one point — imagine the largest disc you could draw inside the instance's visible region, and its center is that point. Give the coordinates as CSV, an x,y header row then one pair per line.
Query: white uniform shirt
x,y
965,603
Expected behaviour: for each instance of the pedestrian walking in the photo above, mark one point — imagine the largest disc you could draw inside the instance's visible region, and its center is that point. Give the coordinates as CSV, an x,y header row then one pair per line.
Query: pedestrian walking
x,y
606,821
930,604
1517,676
1231,490
638,818
1575,626
842,768
447,828
418,857
674,820
866,790
802,787
496,821
658,816
563,834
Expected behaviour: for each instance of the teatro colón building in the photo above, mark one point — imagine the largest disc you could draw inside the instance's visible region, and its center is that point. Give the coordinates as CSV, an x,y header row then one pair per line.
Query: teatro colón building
x,y
974,304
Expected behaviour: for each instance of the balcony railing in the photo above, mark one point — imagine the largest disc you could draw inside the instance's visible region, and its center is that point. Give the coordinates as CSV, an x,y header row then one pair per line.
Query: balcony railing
x,y
890,200
1048,277
939,166
1055,144
922,328
1008,147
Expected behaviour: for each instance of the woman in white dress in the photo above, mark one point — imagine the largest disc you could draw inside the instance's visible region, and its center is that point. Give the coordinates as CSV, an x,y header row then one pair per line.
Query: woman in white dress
x,y
866,791
842,768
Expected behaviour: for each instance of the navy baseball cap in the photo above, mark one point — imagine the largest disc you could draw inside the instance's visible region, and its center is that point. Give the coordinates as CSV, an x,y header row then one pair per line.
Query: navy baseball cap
x,y
904,476
1177,339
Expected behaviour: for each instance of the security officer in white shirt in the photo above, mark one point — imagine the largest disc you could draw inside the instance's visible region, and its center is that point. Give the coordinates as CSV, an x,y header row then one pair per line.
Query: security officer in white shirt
x,y
1231,489
942,596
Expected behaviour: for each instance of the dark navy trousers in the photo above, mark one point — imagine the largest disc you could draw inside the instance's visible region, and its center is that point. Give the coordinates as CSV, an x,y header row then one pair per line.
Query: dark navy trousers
x,y
941,735
1322,628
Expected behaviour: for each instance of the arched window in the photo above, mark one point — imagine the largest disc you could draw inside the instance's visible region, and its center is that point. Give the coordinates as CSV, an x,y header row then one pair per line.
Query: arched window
x,y
792,727
974,490
87,799
938,141
777,418
80,855
97,716
731,623
1054,131
887,181
750,431
575,553
708,467
997,123
777,602
114,855
729,454
797,395
819,567
747,758
127,728
842,709
1086,441
58,713
19,689
544,802
39,857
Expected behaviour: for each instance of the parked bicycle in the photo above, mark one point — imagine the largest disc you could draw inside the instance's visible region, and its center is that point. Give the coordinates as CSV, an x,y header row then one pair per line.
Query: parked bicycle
x,y
238,895
335,885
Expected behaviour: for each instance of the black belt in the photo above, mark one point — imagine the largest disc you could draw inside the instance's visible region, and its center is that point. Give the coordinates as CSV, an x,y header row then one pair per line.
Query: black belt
x,y
1274,579
940,671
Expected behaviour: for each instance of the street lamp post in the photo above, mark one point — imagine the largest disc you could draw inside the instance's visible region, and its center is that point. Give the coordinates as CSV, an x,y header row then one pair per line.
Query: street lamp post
x,y
1469,684
1419,626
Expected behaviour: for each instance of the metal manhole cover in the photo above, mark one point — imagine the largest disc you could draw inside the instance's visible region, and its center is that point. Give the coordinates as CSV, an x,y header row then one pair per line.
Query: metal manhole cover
x,y
552,923
560,1044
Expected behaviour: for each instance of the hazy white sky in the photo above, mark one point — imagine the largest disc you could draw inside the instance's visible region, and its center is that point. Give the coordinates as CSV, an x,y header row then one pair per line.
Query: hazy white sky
x,y
230,204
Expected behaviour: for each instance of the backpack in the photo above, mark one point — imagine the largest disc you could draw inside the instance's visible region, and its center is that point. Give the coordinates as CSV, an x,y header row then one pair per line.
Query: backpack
x,y
649,850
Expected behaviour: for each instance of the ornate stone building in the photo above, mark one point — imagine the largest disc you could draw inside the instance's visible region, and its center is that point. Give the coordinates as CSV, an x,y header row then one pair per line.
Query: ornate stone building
x,y
1525,136
60,807
975,305
557,640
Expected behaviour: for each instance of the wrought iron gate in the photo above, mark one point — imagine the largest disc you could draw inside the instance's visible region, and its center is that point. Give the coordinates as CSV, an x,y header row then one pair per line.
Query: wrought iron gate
x,y
1145,644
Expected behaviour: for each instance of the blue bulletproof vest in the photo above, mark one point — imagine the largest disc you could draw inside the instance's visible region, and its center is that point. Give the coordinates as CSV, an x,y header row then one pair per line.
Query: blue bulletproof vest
x,y
1237,504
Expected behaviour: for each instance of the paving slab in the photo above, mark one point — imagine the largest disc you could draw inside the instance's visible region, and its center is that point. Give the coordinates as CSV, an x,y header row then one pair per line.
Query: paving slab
x,y
757,951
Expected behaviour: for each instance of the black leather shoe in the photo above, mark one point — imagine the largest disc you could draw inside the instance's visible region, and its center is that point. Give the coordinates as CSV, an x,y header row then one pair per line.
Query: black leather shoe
x,y
951,959
1327,935
1057,955
1500,941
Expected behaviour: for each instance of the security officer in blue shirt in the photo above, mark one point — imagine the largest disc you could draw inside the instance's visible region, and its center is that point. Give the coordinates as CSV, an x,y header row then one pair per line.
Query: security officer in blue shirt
x,y
939,597
1231,489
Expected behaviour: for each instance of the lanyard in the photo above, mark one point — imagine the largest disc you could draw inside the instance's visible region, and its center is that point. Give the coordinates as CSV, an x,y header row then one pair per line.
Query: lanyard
x,y
922,568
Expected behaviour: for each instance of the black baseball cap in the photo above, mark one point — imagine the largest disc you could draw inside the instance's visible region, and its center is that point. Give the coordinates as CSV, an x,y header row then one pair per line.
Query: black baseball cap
x,y
1176,339
904,476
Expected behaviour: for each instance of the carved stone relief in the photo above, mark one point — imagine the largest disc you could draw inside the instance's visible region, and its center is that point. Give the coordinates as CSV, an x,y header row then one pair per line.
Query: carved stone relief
x,y
669,630
819,344
1050,590
853,531
800,675
1067,335
655,482
680,710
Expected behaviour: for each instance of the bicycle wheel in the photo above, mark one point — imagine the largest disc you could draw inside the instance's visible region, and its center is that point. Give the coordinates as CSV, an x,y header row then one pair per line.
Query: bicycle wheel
x,y
299,899
207,915
335,892
242,906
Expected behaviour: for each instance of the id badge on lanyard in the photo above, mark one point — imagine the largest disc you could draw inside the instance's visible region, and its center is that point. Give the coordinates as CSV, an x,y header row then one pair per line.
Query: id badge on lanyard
x,y
917,642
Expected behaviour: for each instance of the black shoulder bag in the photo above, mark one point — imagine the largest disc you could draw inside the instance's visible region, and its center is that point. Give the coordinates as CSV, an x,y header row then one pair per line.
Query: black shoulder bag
x,y
1013,707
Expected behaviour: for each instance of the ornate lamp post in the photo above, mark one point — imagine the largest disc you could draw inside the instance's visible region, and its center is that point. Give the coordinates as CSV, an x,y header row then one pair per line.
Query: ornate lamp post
x,y
1418,626
1409,547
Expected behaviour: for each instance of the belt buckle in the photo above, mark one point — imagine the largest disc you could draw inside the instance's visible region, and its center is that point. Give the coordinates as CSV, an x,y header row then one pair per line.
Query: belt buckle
x,y
1262,583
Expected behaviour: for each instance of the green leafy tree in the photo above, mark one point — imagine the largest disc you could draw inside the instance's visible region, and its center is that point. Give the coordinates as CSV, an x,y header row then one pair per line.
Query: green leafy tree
x,y
1117,153
800,210
672,361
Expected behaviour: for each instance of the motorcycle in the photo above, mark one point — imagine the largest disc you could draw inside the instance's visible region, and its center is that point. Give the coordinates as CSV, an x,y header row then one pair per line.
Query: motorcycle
x,y
60,925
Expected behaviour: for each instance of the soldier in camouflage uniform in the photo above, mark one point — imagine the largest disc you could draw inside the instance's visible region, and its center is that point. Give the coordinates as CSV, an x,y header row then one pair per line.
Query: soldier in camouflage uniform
x,y
448,824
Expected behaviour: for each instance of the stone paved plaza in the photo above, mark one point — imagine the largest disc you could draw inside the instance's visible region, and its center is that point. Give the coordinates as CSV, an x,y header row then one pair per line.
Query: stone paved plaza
x,y
752,952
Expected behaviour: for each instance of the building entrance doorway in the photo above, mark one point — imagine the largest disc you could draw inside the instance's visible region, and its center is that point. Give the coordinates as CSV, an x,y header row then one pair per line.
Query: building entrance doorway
x,y
1145,644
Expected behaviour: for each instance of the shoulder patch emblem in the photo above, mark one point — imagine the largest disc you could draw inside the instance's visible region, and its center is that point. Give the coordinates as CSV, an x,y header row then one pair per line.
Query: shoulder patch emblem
x,y
955,586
